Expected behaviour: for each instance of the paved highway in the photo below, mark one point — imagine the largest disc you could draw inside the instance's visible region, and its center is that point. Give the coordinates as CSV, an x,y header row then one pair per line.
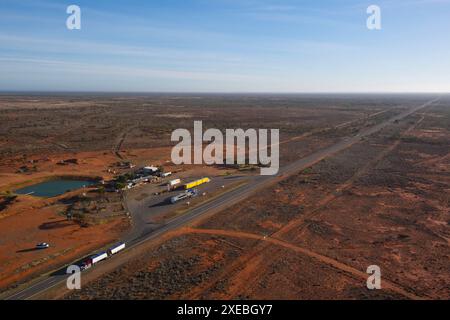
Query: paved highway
x,y
226,200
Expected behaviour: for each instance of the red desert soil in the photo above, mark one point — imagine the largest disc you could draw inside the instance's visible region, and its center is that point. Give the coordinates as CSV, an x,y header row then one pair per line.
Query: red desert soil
x,y
69,241
253,266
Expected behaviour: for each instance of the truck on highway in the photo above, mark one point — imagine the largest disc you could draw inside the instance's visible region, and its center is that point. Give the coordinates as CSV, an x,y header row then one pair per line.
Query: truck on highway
x,y
196,183
116,248
185,195
93,260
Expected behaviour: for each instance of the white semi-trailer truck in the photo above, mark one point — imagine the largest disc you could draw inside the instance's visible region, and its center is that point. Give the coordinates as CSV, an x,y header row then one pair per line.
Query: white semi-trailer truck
x,y
115,249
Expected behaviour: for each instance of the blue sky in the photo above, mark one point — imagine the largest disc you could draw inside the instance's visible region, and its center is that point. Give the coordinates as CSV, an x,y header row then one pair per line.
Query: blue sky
x,y
225,46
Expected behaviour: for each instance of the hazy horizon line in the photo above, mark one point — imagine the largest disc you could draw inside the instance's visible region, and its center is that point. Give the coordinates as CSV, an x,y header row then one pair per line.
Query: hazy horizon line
x,y
20,92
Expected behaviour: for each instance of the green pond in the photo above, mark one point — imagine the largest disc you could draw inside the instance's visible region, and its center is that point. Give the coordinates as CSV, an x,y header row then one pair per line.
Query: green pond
x,y
54,188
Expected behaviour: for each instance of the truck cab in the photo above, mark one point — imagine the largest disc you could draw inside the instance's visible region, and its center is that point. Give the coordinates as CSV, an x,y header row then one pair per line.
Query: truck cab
x,y
86,265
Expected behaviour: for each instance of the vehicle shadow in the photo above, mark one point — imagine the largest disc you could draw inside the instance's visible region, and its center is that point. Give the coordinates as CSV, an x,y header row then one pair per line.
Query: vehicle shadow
x,y
233,177
55,225
63,270
163,203
28,250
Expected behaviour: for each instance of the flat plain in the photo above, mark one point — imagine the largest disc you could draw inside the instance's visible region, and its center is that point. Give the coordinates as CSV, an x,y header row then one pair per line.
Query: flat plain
x,y
383,201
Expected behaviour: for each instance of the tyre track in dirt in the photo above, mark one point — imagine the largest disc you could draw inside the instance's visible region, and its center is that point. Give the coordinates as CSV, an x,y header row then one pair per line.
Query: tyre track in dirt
x,y
121,139
267,240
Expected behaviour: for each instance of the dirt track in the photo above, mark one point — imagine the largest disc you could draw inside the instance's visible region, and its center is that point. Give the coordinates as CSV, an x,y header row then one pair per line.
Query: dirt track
x,y
274,241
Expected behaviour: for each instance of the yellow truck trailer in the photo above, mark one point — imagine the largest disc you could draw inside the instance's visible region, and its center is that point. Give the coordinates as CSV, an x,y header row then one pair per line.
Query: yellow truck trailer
x,y
196,183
